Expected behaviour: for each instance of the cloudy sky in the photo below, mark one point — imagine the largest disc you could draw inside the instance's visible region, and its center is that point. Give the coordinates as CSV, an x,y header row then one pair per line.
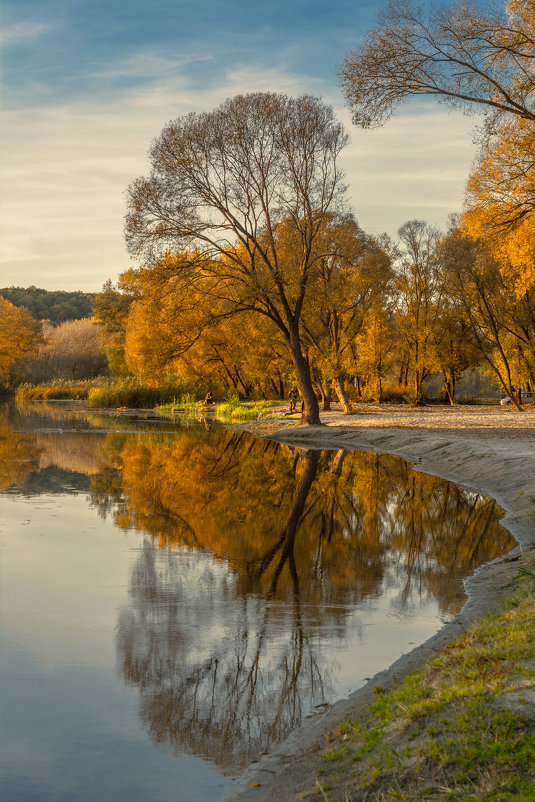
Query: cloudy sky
x,y
88,84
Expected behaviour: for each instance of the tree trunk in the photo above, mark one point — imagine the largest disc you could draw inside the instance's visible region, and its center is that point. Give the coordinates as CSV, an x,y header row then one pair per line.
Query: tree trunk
x,y
342,395
450,388
325,391
310,415
379,388
339,461
418,388
281,385
246,388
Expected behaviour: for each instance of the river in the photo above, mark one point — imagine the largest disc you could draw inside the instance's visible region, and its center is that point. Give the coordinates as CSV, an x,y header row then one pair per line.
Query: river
x,y
176,595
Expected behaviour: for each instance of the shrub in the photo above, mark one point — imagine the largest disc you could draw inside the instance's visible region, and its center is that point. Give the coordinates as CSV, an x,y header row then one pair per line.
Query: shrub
x,y
392,393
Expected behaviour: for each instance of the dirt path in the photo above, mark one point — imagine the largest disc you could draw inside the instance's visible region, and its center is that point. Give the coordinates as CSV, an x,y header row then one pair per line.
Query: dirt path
x,y
489,449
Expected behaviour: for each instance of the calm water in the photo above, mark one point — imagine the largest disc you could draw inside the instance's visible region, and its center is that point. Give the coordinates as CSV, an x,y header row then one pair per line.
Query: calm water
x,y
175,598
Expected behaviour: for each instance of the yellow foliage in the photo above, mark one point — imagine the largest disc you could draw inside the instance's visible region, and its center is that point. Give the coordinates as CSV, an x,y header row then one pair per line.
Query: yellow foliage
x,y
500,202
20,336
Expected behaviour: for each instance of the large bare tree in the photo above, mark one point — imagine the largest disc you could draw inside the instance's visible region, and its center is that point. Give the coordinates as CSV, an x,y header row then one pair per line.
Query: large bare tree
x,y
225,184
473,54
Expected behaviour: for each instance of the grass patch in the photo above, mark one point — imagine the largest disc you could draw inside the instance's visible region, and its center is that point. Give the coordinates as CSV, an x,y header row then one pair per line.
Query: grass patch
x,y
462,728
183,403
234,409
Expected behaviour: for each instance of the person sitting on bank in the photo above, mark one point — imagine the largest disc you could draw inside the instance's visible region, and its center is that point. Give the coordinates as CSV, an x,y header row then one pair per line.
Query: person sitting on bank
x,y
293,395
208,399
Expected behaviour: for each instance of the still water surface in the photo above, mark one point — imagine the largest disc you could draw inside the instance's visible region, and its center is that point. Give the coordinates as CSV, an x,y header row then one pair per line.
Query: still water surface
x,y
177,596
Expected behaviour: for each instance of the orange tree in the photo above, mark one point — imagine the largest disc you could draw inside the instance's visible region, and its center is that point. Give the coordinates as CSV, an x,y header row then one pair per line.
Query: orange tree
x,y
20,336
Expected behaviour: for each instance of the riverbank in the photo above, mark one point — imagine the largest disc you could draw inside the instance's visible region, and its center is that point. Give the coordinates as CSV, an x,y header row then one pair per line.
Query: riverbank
x,y
488,449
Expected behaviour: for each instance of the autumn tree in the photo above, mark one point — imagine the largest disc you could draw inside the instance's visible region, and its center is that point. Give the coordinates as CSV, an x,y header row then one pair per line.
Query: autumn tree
x,y
375,345
501,325
178,325
452,343
500,201
419,290
477,57
353,271
20,336
223,183
168,314
112,306
468,54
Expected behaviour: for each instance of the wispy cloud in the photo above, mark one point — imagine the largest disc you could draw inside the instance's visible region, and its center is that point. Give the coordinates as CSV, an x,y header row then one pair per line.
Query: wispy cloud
x,y
66,169
20,32
416,166
148,66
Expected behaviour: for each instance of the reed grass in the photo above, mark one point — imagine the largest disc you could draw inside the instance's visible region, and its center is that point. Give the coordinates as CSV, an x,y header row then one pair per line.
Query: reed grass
x,y
59,389
134,394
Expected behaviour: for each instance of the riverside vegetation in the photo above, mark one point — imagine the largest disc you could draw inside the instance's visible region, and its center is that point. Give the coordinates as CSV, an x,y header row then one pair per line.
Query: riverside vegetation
x,y
460,728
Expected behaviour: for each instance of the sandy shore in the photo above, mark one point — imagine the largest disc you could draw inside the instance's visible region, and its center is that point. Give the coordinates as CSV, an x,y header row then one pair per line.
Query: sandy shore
x,y
489,449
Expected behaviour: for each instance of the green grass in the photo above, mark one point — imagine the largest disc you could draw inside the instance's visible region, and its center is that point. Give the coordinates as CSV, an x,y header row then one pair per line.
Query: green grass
x,y
459,729
234,409
182,403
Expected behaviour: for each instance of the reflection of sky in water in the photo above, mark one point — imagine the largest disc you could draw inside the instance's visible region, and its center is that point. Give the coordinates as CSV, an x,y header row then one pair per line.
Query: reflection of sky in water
x,y
70,730
112,633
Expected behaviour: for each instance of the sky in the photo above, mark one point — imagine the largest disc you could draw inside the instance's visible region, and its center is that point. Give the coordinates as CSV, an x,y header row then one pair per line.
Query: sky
x,y
86,87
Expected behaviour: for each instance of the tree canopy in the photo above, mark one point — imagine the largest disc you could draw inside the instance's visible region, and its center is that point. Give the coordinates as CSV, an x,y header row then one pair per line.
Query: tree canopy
x,y
56,306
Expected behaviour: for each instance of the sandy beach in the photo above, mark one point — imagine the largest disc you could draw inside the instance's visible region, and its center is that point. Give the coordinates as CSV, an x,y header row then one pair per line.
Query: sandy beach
x,y
489,449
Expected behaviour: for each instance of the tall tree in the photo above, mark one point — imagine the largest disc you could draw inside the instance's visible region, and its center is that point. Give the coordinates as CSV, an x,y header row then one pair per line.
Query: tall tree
x,y
375,345
477,56
112,306
419,295
224,182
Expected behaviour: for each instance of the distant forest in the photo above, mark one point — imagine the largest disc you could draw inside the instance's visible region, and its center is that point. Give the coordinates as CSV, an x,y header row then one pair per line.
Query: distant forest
x,y
55,306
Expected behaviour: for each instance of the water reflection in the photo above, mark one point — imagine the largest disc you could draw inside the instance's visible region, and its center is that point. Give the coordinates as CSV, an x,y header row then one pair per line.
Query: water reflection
x,y
322,526
257,560
228,654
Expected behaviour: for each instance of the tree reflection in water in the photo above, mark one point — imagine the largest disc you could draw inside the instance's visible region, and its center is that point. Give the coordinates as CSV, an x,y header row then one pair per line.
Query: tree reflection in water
x,y
256,562
258,554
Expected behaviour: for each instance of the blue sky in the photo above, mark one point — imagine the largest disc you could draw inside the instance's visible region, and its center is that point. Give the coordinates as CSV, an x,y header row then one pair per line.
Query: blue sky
x,y
88,85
